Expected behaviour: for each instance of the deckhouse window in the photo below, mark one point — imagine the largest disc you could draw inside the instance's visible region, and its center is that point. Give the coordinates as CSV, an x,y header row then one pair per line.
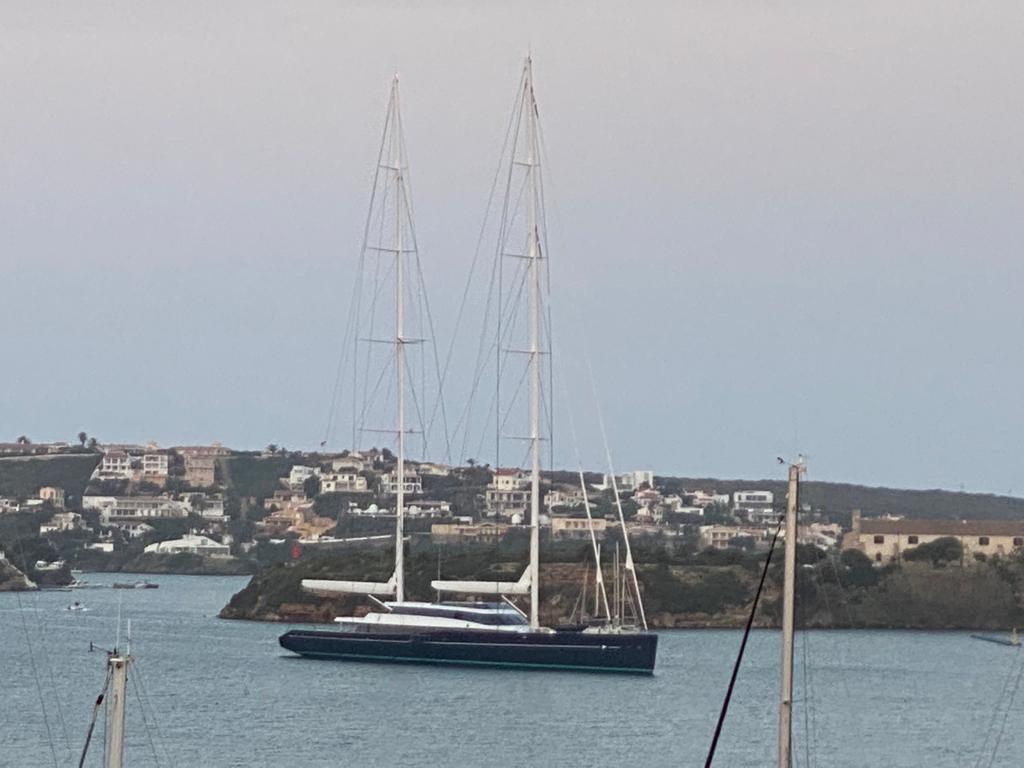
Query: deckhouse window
x,y
879,539
983,541
911,539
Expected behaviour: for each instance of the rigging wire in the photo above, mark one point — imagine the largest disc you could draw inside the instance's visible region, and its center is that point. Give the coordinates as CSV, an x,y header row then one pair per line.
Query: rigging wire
x,y
743,646
1006,715
49,672
145,720
92,721
35,674
991,732
147,701
355,304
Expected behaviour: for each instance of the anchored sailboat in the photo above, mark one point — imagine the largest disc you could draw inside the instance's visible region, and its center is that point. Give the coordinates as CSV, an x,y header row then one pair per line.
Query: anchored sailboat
x,y
496,634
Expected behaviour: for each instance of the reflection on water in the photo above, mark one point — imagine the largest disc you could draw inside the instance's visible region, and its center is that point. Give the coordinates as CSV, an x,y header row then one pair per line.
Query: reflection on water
x,y
218,693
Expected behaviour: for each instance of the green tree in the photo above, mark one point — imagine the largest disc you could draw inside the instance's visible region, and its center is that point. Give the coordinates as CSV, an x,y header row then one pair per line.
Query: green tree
x,y
92,444
272,449
941,551
82,438
311,486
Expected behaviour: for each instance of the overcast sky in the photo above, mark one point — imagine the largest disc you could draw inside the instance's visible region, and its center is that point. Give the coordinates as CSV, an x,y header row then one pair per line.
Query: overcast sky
x,y
776,226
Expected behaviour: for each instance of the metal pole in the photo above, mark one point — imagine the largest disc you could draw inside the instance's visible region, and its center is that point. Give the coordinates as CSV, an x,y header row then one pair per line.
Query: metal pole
x,y
399,348
789,589
115,709
533,255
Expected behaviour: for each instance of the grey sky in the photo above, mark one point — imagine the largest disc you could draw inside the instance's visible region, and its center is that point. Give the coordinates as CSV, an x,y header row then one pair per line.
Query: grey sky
x,y
787,225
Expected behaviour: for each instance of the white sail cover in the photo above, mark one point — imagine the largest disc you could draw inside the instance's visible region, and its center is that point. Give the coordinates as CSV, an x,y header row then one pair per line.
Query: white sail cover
x,y
521,587
332,587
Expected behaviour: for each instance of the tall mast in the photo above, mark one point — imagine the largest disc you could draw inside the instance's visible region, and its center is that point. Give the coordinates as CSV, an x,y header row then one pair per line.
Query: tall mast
x,y
397,167
534,255
788,594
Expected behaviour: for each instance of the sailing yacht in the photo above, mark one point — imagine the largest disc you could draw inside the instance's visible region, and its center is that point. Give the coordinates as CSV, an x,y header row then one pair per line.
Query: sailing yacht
x,y
494,633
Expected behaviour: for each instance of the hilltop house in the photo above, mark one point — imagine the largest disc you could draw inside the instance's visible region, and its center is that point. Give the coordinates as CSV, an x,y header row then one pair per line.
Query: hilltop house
x,y
389,482
299,475
342,482
756,507
154,467
508,493
886,540
629,481
115,465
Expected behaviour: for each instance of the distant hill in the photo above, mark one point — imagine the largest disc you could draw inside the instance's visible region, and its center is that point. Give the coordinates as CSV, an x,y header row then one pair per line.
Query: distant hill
x,y
845,497
257,476
25,476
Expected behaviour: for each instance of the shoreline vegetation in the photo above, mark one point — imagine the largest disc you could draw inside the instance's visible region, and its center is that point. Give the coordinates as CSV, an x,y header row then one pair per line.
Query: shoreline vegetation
x,y
711,590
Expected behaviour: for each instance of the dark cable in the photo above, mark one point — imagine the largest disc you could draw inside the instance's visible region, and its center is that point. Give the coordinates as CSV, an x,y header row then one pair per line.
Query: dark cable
x,y
743,647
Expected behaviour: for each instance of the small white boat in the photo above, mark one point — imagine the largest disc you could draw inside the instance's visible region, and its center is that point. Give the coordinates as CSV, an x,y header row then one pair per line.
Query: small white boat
x,y
77,606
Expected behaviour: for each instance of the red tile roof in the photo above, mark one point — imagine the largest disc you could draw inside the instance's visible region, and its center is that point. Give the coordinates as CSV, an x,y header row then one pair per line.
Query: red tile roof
x,y
943,527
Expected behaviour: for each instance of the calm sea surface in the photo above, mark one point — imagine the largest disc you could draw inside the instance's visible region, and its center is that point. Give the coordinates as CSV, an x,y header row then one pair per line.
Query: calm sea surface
x,y
222,693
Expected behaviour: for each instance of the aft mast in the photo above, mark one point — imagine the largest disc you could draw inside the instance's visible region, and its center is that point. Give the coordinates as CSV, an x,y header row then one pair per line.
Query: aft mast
x,y
533,253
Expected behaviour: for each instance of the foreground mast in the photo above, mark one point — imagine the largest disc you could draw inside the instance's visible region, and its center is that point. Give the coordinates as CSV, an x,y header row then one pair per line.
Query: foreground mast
x,y
789,589
117,666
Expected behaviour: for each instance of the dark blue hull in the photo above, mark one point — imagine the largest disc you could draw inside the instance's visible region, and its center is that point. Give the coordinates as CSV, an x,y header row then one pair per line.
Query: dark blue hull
x,y
627,652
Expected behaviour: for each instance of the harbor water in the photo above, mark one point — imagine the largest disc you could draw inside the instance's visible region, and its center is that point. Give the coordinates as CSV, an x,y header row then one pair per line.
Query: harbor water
x,y
216,693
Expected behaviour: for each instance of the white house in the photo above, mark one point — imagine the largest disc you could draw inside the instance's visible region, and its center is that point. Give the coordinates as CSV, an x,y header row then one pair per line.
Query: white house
x,y
434,469
389,483
299,475
508,493
115,509
348,464
629,481
154,466
755,506
193,544
342,482
115,464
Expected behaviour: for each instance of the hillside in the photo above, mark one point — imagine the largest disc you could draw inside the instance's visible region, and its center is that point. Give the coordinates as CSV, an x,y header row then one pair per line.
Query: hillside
x,y
24,476
846,497
251,476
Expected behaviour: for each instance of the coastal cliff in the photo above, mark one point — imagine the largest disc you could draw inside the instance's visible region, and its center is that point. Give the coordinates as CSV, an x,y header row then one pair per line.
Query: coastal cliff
x,y
13,580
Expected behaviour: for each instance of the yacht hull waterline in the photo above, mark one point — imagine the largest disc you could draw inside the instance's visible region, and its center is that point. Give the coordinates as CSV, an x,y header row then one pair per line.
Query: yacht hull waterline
x,y
624,653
